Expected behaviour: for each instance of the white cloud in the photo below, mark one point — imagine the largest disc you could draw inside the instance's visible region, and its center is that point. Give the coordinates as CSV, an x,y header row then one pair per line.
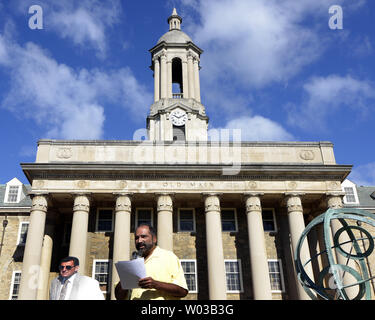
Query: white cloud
x,y
68,103
325,95
252,128
363,175
84,22
256,43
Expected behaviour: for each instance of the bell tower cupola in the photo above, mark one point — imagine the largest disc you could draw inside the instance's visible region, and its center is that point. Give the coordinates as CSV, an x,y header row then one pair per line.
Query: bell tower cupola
x,y
177,112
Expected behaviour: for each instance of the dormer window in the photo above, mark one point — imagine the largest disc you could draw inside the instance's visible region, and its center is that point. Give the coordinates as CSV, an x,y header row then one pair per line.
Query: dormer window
x,y
14,191
351,196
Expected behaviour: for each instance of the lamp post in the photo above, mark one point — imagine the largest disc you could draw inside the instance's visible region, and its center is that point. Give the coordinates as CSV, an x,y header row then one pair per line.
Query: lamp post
x,y
5,223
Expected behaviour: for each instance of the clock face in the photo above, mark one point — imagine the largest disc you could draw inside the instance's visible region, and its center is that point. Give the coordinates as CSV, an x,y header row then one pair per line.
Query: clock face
x,y
178,117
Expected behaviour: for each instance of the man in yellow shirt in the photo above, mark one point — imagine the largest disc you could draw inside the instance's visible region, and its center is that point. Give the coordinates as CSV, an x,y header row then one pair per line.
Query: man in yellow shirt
x,y
165,277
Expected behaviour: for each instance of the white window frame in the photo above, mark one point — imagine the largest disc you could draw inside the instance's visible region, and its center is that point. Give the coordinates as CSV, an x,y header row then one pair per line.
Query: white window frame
x,y
97,220
12,283
273,217
19,232
109,275
194,227
281,275
7,189
348,184
196,273
240,274
235,219
136,215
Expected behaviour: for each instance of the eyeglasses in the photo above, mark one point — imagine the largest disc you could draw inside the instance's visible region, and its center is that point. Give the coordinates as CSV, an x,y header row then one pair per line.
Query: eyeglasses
x,y
67,267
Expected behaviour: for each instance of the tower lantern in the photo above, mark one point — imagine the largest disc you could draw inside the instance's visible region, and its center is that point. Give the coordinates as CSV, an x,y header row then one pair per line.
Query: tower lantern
x,y
177,112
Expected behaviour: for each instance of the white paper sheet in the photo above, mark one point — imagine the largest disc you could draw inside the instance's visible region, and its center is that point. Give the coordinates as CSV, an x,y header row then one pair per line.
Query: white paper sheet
x,y
130,272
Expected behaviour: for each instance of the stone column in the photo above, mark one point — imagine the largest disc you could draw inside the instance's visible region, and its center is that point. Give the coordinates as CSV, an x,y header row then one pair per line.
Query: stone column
x,y
334,201
45,264
165,221
185,81
215,254
33,249
164,75
156,79
121,241
169,79
296,227
258,254
78,238
191,76
197,89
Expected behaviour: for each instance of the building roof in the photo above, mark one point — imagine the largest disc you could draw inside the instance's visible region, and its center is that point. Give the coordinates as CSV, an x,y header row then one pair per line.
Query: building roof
x,y
25,202
364,195
175,36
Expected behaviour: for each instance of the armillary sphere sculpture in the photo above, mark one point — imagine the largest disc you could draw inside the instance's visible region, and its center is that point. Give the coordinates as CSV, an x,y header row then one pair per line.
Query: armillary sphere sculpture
x,y
331,278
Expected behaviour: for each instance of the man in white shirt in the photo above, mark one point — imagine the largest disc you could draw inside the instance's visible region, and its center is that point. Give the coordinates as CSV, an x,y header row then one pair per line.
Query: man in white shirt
x,y
70,285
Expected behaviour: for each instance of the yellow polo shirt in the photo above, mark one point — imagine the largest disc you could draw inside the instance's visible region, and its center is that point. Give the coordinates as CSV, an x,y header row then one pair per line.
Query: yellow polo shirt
x,y
162,265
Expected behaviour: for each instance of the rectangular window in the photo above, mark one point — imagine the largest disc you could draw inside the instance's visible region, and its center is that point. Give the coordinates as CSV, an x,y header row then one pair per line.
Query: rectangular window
x,y
186,220
13,193
276,275
15,285
22,233
228,220
100,273
233,275
144,216
104,221
349,195
268,216
190,271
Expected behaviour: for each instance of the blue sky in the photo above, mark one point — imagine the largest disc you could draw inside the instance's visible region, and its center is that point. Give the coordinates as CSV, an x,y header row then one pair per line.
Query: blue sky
x,y
274,69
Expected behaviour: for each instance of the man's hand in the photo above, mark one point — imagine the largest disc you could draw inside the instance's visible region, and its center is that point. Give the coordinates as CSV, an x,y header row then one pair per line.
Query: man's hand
x,y
169,288
120,293
147,283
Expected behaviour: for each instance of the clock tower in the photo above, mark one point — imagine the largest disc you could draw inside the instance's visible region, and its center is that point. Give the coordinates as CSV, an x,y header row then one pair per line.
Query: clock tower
x,y
177,112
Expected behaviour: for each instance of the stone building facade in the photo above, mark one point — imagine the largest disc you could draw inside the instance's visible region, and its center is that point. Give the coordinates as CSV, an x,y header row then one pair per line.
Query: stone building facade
x,y
231,211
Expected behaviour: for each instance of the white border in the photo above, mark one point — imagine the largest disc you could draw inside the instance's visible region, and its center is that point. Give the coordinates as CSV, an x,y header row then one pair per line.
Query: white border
x,y
12,283
281,276
196,272
348,184
109,283
240,272
19,232
7,193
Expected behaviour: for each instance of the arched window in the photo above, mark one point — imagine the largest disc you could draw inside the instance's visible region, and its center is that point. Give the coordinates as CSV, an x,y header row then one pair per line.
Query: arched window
x,y
177,89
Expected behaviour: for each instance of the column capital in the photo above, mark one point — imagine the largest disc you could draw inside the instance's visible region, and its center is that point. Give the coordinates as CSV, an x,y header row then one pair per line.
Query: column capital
x,y
123,201
335,194
249,194
211,202
253,203
81,201
294,194
334,200
164,202
293,202
125,194
39,201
